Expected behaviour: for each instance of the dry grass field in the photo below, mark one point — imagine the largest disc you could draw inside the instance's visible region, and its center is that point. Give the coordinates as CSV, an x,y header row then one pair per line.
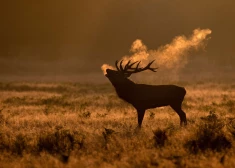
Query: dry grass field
x,y
87,125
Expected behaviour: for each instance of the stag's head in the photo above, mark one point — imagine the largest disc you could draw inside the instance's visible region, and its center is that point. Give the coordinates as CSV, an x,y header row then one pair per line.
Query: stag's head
x,y
120,75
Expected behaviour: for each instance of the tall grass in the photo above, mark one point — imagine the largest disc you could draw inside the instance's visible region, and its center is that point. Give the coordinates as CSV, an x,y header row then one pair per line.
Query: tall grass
x,y
75,125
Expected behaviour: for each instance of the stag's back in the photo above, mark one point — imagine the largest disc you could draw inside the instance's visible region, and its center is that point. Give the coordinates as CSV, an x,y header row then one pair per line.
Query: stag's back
x,y
151,96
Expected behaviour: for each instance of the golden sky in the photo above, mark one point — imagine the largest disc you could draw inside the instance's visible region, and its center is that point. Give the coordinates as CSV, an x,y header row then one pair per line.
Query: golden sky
x,y
104,30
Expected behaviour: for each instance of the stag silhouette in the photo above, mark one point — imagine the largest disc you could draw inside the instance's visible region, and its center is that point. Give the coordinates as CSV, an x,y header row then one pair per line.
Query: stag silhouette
x,y
142,96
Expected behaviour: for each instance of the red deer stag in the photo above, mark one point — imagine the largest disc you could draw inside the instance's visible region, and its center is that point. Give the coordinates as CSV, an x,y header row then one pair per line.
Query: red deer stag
x,y
143,96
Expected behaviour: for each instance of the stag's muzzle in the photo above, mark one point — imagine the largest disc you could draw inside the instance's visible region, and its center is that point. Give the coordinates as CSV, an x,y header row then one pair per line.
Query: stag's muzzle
x,y
108,71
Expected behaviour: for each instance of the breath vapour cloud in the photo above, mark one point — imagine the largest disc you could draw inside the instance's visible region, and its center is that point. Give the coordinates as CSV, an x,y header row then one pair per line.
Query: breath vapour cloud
x,y
170,56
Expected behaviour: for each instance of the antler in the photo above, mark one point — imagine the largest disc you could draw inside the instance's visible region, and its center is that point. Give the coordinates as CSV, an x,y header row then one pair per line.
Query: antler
x,y
128,69
145,68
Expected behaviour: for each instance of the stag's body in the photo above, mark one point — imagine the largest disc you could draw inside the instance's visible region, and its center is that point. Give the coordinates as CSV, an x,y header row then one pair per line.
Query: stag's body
x,y
144,97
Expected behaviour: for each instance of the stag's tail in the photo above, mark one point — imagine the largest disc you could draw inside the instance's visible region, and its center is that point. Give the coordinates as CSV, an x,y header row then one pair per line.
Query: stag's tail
x,y
182,93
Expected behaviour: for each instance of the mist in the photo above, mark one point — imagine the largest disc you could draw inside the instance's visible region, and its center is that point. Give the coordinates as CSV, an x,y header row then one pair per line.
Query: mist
x,y
170,56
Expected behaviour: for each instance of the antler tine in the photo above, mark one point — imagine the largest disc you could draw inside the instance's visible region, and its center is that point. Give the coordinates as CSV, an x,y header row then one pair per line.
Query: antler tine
x,y
116,64
130,66
121,66
127,65
133,63
137,65
150,63
148,66
153,69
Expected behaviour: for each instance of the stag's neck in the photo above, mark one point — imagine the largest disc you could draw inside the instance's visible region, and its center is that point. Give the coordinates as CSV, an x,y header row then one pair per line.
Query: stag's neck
x,y
123,90
123,85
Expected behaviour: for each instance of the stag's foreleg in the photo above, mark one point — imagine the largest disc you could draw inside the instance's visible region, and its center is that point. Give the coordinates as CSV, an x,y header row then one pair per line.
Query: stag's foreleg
x,y
180,112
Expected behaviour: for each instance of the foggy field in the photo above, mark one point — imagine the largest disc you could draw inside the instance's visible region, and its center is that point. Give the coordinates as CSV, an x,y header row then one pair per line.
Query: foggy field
x,y
87,125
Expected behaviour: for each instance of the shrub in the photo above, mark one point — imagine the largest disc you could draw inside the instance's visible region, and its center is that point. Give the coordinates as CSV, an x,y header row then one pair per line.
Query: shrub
x,y
209,136
160,137
19,144
61,141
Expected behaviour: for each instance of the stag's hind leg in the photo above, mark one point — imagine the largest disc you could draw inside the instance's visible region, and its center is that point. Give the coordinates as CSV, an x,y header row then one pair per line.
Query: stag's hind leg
x,y
140,117
180,112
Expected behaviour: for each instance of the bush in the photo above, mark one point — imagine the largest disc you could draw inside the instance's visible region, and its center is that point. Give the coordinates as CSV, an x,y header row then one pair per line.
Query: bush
x,y
61,141
160,137
209,136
